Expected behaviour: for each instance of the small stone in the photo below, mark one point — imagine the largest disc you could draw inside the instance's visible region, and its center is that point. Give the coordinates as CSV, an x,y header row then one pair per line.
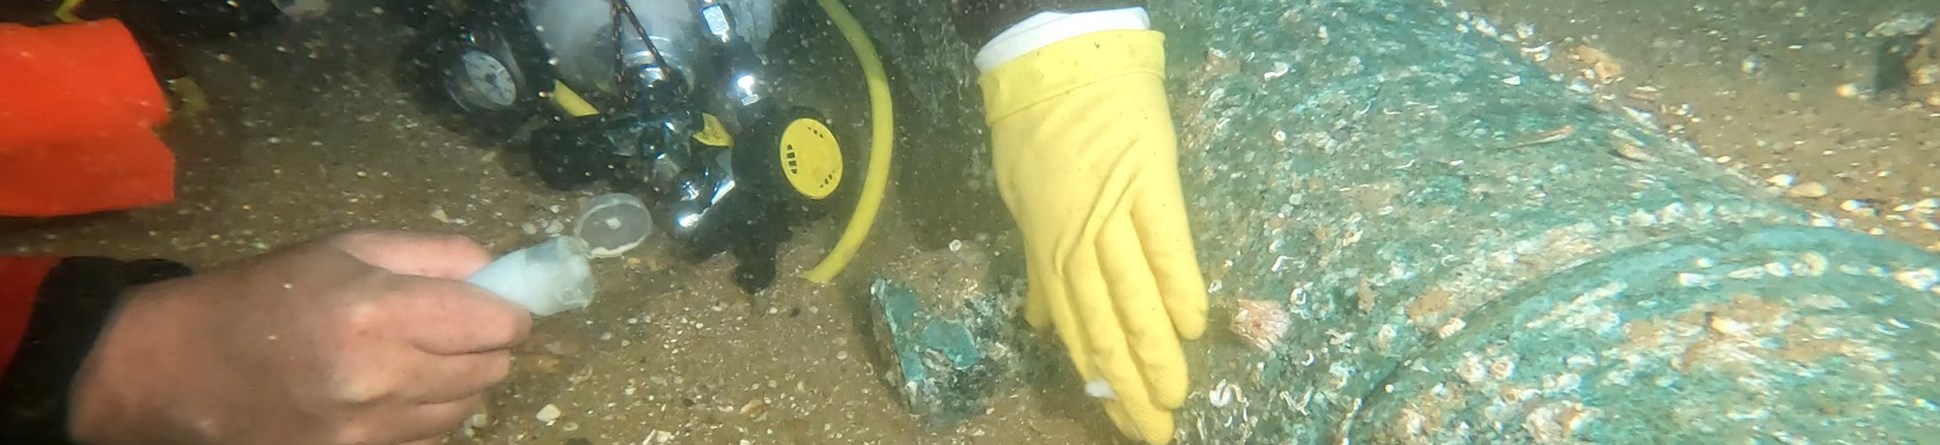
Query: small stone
x,y
1852,205
1781,180
1810,189
547,413
529,229
657,437
1847,90
842,355
1752,64
478,420
554,227
1926,75
438,213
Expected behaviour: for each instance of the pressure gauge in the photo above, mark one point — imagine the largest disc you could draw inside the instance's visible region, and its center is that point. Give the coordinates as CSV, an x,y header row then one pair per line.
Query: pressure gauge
x,y
480,81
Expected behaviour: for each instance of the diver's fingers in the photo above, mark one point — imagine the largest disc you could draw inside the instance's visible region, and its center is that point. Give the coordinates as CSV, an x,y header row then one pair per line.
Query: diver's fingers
x,y
1064,318
1142,318
1152,423
1162,227
1105,337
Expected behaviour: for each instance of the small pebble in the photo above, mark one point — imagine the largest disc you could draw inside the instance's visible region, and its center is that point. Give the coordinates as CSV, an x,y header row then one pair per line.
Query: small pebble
x,y
1812,189
548,413
479,420
1781,180
1852,205
439,214
1847,90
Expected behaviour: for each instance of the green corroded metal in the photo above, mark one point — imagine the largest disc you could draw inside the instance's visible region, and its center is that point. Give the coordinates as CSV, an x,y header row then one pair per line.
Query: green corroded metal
x,y
1472,251
946,334
943,372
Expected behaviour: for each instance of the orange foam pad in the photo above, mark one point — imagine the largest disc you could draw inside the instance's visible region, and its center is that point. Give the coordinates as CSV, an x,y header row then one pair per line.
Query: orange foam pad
x,y
78,107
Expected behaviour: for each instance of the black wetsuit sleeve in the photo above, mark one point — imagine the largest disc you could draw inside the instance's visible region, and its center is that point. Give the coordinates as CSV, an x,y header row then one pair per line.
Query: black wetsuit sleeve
x,y
74,302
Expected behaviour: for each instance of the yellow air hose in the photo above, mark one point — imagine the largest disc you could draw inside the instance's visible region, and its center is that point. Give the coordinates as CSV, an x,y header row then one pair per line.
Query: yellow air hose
x,y
880,137
66,11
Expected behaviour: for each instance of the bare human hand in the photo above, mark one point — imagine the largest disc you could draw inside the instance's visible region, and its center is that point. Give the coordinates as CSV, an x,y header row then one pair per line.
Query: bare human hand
x,y
363,338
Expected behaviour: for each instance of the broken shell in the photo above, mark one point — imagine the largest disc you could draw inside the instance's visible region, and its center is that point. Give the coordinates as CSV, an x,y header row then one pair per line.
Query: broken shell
x,y
1811,189
1222,394
1634,153
1604,69
1645,93
1538,53
754,408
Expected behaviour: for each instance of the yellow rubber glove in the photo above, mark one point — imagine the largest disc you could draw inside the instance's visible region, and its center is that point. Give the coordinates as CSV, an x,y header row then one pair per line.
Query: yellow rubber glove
x,y
1085,160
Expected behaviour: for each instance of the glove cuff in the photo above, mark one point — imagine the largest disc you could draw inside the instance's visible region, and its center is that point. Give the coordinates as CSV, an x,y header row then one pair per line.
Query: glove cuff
x,y
1046,28
1069,64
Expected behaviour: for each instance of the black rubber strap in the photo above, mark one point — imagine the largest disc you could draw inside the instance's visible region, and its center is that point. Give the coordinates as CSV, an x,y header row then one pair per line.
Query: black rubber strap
x,y
980,20
74,302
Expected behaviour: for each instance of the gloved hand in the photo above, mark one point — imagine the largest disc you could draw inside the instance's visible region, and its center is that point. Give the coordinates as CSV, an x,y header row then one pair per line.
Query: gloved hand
x,y
1085,160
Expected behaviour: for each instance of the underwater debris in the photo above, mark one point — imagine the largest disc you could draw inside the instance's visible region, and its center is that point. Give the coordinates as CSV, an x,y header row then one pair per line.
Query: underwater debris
x,y
1812,189
1603,68
1558,134
1260,323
